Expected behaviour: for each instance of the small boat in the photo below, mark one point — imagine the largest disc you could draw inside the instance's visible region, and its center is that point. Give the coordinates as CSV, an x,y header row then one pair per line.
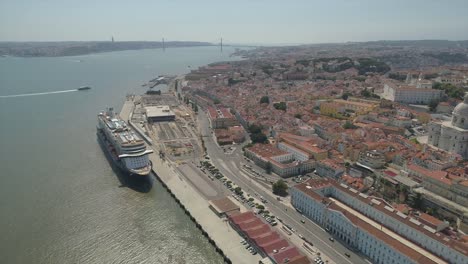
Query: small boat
x,y
82,88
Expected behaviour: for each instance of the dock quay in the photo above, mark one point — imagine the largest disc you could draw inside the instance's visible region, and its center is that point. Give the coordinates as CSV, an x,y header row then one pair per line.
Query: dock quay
x,y
217,230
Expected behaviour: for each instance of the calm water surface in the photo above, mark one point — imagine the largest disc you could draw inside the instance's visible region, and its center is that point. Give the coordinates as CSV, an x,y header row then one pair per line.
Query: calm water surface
x,y
60,200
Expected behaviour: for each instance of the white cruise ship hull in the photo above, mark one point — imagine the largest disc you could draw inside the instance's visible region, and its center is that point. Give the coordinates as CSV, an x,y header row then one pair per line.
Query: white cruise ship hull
x,y
119,162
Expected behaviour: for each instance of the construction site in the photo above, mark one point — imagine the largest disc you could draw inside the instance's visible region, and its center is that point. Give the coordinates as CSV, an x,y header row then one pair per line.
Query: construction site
x,y
170,125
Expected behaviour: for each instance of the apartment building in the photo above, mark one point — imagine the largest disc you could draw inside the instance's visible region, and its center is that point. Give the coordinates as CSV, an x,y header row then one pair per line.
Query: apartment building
x,y
374,227
282,162
221,118
411,94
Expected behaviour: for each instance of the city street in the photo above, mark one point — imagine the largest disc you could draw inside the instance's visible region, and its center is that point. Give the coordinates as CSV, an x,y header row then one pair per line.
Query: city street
x,y
230,166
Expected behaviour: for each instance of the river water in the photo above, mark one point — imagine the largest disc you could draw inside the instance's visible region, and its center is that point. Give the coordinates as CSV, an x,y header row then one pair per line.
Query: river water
x,y
60,200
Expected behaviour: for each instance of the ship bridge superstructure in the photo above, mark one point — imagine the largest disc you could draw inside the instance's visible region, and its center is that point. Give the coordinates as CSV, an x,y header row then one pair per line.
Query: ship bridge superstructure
x,y
128,147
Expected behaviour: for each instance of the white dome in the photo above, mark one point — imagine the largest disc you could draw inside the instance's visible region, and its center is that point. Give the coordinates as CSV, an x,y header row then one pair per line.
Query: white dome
x,y
462,108
460,114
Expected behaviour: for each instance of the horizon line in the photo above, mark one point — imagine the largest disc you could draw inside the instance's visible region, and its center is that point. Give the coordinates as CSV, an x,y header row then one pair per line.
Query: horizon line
x,y
232,43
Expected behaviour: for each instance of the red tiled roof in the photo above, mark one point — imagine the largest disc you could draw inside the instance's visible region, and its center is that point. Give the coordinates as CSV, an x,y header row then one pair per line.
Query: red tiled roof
x,y
275,244
436,175
287,253
430,220
266,238
251,223
266,150
242,217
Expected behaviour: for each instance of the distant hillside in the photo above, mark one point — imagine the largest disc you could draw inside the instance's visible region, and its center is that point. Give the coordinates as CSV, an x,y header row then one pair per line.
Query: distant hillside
x,y
57,49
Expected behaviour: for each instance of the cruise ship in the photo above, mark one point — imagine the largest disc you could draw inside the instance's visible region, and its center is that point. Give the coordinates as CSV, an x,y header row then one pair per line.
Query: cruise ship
x,y
126,149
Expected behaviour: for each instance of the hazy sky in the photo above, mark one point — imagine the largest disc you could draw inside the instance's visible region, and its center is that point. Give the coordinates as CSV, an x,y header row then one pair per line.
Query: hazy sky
x,y
237,21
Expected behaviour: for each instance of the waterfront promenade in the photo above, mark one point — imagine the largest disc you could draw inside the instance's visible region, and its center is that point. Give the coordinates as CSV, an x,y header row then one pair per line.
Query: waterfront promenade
x,y
218,230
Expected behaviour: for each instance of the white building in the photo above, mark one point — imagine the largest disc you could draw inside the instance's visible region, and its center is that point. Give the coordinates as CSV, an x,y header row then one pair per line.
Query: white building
x,y
410,94
159,113
375,228
452,79
297,153
452,135
372,159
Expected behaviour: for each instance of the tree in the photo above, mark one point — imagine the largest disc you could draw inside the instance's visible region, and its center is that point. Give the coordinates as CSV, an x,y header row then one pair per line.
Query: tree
x,y
450,89
268,167
433,105
254,129
265,100
298,116
261,207
416,201
348,125
258,138
345,96
238,190
365,93
280,106
256,134
280,188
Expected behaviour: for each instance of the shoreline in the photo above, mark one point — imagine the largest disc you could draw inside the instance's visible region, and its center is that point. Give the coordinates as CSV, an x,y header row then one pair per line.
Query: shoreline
x,y
219,233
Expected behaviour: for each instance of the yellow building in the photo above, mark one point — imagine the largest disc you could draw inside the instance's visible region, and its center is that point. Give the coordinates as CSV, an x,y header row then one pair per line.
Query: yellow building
x,y
330,108
358,107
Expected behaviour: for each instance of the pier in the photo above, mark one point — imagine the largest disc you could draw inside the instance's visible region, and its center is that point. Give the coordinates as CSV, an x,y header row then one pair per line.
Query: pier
x,y
217,230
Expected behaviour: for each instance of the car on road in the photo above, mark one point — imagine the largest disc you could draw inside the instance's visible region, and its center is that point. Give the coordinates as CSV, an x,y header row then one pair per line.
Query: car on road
x,y
303,221
331,239
347,254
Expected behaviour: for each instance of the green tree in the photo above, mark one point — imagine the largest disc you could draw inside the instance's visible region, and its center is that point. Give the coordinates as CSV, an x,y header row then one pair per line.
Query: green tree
x,y
348,125
258,138
268,167
280,106
265,100
298,116
280,188
365,93
345,96
254,128
238,190
433,105
450,89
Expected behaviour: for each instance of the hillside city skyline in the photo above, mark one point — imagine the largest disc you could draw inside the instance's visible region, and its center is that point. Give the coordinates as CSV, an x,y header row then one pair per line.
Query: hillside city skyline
x,y
247,22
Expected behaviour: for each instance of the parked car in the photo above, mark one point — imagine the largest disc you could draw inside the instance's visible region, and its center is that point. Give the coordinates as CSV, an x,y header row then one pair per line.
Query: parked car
x,y
331,239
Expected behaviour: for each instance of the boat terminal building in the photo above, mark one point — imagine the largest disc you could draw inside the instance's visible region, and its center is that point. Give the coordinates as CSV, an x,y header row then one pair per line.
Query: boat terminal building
x,y
159,113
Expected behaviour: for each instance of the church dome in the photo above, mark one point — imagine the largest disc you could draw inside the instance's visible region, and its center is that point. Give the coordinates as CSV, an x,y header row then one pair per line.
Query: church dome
x,y
462,108
460,114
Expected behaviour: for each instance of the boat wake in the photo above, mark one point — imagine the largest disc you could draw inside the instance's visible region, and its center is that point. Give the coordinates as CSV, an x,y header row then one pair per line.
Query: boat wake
x,y
34,94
